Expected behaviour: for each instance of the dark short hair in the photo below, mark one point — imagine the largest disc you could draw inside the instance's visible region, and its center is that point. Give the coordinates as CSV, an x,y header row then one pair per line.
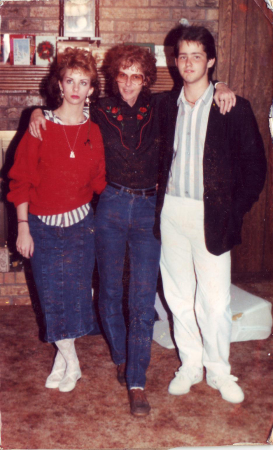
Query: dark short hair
x,y
200,35
125,56
72,58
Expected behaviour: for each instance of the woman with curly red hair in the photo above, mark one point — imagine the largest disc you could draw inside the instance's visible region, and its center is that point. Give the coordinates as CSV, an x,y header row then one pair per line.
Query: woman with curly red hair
x,y
53,181
125,215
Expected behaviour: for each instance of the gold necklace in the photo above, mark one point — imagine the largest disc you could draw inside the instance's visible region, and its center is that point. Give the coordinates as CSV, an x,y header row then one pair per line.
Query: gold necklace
x,y
193,103
72,154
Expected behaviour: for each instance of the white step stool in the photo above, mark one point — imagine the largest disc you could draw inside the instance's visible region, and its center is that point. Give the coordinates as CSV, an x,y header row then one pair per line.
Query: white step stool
x,y
251,318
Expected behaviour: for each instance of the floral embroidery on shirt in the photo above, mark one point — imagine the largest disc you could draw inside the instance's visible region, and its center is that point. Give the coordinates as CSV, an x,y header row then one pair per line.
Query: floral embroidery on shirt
x,y
115,113
142,112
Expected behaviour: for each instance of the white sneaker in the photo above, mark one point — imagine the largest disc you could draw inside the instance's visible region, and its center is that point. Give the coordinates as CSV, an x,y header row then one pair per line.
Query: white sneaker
x,y
228,387
69,381
184,379
53,380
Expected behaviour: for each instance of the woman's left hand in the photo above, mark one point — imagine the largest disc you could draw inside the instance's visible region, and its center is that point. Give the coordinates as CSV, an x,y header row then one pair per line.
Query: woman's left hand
x,y
24,243
224,98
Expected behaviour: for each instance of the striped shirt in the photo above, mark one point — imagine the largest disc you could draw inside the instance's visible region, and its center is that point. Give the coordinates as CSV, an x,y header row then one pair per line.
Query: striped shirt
x,y
186,174
71,217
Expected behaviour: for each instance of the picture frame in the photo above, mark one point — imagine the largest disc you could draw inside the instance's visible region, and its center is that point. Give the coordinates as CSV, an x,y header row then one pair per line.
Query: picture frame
x,y
149,46
19,44
21,52
164,56
45,50
79,19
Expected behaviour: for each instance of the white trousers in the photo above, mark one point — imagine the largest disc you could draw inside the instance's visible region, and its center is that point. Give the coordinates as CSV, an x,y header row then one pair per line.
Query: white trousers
x,y
196,286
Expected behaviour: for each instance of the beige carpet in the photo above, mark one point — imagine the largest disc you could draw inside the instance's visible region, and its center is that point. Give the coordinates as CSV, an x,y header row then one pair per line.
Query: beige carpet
x,y
96,414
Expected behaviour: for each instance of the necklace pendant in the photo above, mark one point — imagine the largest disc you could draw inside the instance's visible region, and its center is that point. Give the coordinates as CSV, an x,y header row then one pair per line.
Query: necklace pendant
x,y
72,154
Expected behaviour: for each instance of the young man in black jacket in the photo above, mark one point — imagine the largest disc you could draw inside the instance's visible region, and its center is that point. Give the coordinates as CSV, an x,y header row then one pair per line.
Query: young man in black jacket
x,y
212,171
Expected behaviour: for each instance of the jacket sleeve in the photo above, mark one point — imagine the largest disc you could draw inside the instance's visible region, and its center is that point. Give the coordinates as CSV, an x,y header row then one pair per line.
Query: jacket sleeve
x,y
98,182
251,158
23,173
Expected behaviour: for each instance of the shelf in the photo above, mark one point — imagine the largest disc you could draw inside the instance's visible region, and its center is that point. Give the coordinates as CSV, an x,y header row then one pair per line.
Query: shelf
x,y
21,77
29,78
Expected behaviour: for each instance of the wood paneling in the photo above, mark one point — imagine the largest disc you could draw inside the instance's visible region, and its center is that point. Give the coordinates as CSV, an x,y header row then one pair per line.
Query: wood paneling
x,y
250,70
237,58
224,40
268,13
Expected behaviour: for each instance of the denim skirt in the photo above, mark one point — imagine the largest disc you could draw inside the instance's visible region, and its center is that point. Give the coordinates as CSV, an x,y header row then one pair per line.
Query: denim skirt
x,y
62,265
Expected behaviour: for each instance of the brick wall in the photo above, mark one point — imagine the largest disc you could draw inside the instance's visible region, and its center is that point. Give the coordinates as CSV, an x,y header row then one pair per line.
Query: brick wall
x,y
120,20
14,289
146,21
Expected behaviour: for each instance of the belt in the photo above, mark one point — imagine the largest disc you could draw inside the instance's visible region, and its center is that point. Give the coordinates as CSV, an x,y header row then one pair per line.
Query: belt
x,y
149,192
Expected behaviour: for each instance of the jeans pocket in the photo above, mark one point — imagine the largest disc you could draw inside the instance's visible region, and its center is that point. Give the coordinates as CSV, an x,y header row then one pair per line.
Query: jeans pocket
x,y
151,200
109,193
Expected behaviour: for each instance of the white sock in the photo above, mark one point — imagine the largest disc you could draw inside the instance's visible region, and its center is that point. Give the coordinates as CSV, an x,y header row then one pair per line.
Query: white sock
x,y
59,362
57,372
68,351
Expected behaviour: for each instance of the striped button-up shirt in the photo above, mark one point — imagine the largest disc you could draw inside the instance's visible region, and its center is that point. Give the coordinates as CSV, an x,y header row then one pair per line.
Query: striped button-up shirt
x,y
186,174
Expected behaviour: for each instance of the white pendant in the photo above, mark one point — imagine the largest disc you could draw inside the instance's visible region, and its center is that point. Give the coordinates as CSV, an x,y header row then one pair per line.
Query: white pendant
x,y
72,154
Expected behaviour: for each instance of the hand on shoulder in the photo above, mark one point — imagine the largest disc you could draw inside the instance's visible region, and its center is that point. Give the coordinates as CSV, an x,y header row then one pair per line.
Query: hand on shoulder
x,y
37,120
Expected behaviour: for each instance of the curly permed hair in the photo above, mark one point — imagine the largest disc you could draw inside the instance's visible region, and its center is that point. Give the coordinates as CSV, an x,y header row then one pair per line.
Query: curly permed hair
x,y
124,56
72,58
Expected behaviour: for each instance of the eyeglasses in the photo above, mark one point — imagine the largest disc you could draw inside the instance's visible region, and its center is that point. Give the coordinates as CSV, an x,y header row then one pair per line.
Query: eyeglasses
x,y
135,78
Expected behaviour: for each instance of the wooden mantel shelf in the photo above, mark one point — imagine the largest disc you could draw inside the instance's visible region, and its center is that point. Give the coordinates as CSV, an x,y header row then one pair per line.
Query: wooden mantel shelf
x,y
29,78
21,77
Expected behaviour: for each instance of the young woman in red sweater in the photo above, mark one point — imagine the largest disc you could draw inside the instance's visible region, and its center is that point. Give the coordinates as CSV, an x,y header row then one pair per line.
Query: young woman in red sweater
x,y
53,181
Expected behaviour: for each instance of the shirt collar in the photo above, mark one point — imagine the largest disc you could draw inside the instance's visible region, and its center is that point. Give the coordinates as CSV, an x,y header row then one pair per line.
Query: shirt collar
x,y
206,97
141,101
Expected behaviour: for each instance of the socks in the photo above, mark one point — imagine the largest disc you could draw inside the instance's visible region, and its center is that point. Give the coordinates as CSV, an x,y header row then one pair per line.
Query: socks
x,y
73,371
57,372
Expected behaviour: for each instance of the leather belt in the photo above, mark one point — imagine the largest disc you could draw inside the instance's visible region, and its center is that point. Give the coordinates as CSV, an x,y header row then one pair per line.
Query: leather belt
x,y
149,192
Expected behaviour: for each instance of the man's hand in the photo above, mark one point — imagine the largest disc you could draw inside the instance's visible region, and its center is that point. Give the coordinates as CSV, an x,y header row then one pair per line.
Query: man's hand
x,y
37,119
224,98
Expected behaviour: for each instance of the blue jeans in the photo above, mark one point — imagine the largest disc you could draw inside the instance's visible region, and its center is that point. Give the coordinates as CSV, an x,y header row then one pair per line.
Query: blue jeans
x,y
126,218
62,265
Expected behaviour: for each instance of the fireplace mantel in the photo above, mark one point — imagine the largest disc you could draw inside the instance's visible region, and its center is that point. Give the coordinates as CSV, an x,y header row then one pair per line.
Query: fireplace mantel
x,y
18,78
29,78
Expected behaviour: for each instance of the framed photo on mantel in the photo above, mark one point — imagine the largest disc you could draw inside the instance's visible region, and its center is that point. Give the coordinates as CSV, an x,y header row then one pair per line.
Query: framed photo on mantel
x,y
45,50
79,18
22,49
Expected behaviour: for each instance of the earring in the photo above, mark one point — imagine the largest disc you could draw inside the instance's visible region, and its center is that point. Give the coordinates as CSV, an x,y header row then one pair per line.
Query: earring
x,y
87,101
62,93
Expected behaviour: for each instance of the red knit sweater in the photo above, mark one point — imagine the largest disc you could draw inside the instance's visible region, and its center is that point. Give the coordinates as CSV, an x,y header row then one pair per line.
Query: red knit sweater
x,y
47,178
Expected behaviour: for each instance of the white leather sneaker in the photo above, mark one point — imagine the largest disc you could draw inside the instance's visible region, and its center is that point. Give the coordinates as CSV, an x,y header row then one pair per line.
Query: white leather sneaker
x,y
184,379
53,380
228,387
69,381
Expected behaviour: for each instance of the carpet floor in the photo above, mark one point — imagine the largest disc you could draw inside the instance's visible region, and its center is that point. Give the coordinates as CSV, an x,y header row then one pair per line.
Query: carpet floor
x,y
96,414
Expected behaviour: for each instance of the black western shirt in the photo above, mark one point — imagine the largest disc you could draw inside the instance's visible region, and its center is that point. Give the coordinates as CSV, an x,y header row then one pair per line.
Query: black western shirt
x,y
131,137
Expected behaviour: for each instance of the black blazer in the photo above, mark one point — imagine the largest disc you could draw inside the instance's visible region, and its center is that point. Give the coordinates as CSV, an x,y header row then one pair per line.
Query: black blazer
x,y
234,169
